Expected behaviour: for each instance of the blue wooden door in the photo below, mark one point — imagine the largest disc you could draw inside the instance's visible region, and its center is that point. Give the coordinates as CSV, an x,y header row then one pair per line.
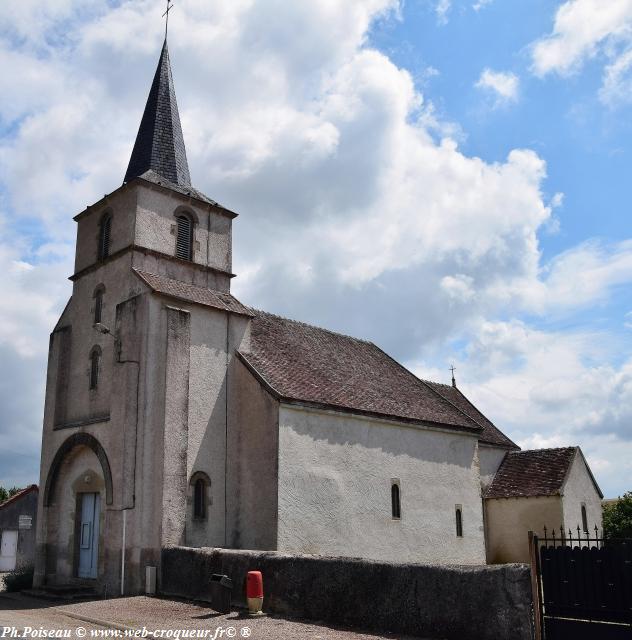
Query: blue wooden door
x,y
89,535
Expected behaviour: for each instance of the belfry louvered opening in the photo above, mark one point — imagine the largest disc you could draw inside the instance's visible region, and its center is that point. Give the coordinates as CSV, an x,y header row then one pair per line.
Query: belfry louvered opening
x,y
184,240
104,236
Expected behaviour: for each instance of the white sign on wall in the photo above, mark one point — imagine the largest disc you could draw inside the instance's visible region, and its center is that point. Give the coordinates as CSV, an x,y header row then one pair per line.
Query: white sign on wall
x,y
25,522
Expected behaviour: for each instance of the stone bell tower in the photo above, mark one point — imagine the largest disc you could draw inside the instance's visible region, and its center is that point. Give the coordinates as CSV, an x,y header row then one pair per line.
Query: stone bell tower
x,y
137,395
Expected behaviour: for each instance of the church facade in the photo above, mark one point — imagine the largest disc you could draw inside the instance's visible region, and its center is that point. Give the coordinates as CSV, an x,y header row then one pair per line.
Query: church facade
x,y
176,415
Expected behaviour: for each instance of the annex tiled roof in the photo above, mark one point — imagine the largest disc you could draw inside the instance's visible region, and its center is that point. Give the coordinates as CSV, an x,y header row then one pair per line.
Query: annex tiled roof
x,y
491,434
18,495
540,472
159,144
306,364
191,293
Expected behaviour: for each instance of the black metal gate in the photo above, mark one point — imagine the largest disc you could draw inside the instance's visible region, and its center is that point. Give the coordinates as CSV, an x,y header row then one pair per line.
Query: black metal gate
x,y
584,586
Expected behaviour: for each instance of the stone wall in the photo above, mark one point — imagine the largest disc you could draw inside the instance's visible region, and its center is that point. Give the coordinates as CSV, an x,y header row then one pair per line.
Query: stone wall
x,y
449,602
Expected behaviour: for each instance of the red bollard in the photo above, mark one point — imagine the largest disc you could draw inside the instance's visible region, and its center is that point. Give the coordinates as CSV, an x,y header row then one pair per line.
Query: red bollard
x,y
254,592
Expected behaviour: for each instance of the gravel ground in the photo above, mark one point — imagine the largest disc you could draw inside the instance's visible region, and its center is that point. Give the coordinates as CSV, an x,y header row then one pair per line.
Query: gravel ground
x,y
157,614
20,612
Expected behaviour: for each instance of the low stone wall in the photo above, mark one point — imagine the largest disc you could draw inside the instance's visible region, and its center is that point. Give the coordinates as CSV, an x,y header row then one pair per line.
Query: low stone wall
x,y
448,602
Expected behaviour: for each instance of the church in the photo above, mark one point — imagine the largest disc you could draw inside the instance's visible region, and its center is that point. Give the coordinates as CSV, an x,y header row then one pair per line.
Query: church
x,y
176,415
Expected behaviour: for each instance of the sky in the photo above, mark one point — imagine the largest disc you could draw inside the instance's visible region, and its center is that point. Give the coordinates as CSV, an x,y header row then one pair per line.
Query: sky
x,y
446,178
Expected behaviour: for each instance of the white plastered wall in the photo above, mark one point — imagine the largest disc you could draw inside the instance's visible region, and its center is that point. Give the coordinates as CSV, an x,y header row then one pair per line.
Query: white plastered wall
x,y
490,459
509,521
579,489
335,475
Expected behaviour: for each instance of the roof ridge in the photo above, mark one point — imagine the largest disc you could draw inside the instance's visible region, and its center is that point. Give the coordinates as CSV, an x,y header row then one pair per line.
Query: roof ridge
x,y
545,449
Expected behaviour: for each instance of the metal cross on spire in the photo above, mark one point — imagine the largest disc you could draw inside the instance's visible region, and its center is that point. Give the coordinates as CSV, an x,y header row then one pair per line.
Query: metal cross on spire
x,y
453,369
166,13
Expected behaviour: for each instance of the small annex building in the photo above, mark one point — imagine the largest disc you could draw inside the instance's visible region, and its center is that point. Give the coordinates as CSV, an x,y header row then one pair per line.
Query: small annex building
x,y
18,520
552,488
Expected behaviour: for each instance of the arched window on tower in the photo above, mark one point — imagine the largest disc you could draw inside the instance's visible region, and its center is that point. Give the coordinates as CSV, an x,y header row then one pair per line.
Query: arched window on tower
x,y
396,508
184,238
95,365
98,303
104,236
199,499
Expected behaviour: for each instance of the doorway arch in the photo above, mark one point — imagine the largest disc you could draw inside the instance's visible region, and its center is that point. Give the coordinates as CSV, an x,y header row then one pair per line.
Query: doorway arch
x,y
74,441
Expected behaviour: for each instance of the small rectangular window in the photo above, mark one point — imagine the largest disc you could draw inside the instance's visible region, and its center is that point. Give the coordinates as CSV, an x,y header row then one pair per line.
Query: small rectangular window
x,y
396,507
458,511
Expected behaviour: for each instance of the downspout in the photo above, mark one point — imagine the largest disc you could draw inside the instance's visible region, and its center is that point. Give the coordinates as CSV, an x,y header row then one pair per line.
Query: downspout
x,y
123,554
208,246
226,431
125,509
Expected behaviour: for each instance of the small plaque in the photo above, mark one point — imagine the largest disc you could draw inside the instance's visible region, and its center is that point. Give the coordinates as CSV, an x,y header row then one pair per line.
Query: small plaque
x,y
25,522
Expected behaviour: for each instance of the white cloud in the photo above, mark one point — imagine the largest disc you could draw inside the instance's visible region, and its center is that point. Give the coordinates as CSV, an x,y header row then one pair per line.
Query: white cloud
x,y
442,9
557,200
581,277
480,4
458,286
503,85
586,29
617,82
580,28
33,296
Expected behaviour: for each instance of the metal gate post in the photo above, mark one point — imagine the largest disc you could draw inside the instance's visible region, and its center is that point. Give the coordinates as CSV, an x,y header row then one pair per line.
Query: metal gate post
x,y
535,585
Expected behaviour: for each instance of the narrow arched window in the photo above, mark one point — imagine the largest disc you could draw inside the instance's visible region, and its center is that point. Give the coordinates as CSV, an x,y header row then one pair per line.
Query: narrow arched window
x,y
396,508
95,362
184,238
98,303
199,499
459,521
584,519
104,236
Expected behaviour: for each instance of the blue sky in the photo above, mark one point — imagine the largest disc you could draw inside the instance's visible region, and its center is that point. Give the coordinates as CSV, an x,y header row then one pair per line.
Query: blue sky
x,y
584,142
446,178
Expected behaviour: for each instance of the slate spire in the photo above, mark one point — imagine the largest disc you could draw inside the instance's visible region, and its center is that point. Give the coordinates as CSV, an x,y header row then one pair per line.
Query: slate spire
x,y
159,144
